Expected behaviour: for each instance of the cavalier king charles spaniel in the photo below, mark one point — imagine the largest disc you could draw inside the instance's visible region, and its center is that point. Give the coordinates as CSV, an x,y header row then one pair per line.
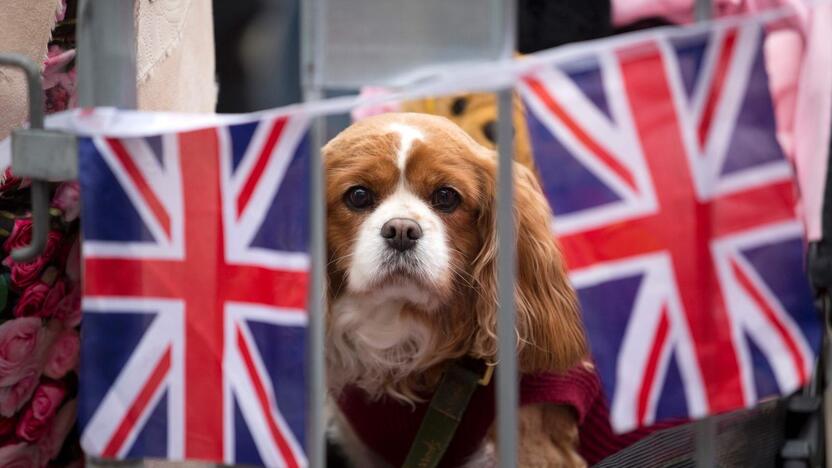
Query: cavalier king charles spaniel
x,y
412,253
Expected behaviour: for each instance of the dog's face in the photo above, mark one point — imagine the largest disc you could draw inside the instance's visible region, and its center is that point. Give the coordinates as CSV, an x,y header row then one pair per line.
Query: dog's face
x,y
410,200
403,198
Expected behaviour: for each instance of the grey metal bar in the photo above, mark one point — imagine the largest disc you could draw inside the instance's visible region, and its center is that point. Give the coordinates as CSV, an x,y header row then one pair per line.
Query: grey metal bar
x,y
313,36
703,10
312,31
705,433
107,78
106,54
507,377
316,435
705,443
40,189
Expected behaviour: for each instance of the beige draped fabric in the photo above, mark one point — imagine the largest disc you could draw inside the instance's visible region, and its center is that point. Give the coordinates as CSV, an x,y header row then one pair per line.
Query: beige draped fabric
x,y
175,54
25,28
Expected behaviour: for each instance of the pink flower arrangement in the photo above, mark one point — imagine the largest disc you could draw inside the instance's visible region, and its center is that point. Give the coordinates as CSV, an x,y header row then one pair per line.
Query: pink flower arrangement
x,y
21,341
13,397
64,354
67,198
38,415
31,301
51,442
40,301
20,236
69,309
59,79
10,182
24,275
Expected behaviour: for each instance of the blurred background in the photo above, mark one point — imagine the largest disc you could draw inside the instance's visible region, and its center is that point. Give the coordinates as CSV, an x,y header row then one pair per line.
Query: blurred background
x,y
258,46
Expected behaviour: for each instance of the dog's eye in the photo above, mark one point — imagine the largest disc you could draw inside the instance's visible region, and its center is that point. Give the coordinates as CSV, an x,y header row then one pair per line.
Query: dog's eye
x,y
445,199
458,106
489,129
358,198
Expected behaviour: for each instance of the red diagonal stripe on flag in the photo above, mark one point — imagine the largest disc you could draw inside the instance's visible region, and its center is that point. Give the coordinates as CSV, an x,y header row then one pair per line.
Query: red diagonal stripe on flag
x,y
147,193
265,405
260,165
138,407
717,85
652,367
622,172
794,351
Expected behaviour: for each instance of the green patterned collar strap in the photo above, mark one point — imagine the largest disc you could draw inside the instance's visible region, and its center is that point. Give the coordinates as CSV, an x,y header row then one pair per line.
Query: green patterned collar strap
x,y
446,409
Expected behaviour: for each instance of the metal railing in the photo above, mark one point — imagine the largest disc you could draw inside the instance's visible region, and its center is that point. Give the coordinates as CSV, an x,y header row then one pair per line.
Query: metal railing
x,y
106,41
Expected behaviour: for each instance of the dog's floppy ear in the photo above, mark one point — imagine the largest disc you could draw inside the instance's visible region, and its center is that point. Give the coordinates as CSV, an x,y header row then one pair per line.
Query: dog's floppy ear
x,y
549,329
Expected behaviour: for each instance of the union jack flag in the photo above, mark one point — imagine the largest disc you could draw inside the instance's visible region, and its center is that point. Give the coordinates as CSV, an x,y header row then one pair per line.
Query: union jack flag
x,y
675,208
195,284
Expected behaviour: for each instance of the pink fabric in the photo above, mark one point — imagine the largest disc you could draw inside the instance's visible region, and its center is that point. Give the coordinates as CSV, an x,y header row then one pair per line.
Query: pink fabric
x,y
813,114
800,79
362,112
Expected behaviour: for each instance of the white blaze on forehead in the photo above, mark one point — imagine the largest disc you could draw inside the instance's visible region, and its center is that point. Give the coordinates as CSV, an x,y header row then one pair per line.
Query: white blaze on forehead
x,y
407,135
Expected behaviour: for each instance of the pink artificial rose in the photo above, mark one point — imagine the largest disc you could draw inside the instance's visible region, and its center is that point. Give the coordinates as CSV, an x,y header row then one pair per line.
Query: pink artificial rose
x,y
53,298
8,181
47,399
13,397
64,355
20,455
31,429
37,417
69,309
68,199
19,344
59,79
31,301
25,274
51,442
21,235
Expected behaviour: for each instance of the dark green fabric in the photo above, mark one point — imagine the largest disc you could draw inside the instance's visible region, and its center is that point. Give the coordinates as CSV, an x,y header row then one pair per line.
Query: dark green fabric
x,y
443,416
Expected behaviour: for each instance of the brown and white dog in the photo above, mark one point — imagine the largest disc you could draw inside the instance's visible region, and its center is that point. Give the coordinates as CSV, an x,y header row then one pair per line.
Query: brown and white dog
x,y
412,257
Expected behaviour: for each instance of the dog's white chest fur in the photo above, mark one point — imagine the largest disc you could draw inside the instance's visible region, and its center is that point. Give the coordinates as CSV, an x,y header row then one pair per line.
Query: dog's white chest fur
x,y
372,343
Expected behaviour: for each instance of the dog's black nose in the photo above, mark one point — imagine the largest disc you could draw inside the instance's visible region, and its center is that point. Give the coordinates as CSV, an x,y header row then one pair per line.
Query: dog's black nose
x,y
401,233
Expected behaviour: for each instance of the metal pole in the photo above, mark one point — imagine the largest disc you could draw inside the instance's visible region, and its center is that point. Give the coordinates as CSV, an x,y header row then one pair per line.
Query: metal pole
x,y
106,54
705,430
107,78
312,18
507,376
40,188
507,379
316,436
703,10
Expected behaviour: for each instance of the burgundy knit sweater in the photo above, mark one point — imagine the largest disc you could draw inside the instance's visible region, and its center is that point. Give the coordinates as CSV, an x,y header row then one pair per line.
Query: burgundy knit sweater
x,y
388,427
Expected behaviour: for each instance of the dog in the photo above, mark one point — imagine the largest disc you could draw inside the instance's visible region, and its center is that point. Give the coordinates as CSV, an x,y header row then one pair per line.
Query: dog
x,y
411,241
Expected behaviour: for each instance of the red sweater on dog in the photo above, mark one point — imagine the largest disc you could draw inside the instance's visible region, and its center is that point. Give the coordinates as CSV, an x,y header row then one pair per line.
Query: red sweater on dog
x,y
388,427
